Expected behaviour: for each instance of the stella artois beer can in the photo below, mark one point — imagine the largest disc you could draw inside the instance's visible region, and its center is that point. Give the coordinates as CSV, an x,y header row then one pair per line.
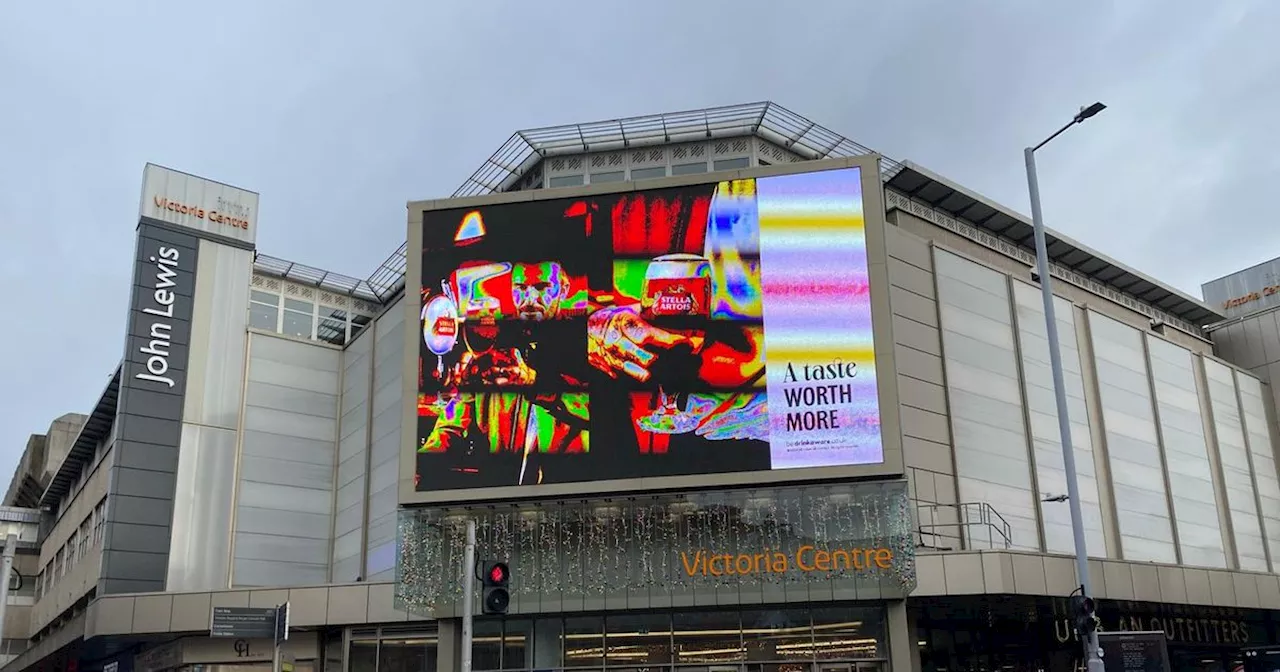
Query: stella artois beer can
x,y
678,285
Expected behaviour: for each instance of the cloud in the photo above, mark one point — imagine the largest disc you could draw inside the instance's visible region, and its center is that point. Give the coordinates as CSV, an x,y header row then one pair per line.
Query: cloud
x,y
339,113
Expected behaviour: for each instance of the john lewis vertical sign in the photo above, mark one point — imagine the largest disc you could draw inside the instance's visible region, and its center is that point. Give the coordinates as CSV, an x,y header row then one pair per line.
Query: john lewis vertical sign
x,y
160,325
149,412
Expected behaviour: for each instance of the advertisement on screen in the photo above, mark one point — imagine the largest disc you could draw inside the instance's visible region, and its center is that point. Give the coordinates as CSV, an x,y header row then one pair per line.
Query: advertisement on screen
x,y
702,329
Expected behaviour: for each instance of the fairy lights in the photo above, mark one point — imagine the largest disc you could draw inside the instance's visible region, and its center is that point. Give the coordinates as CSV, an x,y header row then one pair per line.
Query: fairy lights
x,y
632,547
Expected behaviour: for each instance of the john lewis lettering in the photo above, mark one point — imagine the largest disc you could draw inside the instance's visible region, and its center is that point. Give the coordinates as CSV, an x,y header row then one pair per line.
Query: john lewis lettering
x,y
161,332
160,317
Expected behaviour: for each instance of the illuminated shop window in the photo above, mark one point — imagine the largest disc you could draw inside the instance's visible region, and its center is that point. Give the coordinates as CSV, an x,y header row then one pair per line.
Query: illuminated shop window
x,y
264,310
332,327
732,164
297,318
648,173
611,176
566,181
689,168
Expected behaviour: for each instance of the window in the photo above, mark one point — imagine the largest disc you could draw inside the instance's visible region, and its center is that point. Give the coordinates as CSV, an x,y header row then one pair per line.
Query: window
x,y
40,585
1195,506
1046,439
1133,448
297,318
409,653
612,176
73,543
689,168
1236,470
358,323
99,521
993,464
60,562
86,529
565,181
332,327
732,164
264,310
648,173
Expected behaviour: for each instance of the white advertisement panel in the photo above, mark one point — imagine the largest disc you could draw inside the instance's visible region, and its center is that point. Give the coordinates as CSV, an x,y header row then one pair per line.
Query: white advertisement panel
x,y
194,202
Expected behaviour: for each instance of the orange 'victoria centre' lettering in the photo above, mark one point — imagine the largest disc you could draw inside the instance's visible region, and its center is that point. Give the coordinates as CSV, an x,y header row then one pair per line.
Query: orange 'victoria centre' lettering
x,y
200,213
806,559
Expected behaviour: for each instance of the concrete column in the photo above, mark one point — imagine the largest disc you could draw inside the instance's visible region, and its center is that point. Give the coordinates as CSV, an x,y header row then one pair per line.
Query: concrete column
x,y
543,652
449,647
900,628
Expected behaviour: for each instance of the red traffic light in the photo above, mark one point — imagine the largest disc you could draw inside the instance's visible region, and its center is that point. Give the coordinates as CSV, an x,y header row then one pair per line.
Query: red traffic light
x,y
498,573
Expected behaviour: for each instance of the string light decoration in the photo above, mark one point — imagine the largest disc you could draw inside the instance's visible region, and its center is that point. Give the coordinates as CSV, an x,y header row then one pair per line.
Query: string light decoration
x,y
660,544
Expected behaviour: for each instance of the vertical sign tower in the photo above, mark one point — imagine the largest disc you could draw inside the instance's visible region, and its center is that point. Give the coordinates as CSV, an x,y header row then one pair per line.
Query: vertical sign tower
x,y
177,412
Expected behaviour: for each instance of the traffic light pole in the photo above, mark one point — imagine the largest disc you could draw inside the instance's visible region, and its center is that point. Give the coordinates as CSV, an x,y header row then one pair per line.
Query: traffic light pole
x,y
468,592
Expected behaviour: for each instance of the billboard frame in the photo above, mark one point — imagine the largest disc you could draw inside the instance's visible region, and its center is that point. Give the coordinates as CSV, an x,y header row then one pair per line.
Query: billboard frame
x,y
873,209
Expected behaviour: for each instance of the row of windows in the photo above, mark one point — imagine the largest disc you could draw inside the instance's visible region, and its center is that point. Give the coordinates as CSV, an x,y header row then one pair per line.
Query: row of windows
x,y
702,640
87,536
304,319
1006,436
635,174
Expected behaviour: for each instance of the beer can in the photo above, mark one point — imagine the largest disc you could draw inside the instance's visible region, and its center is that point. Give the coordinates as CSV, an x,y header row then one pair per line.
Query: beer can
x,y
678,285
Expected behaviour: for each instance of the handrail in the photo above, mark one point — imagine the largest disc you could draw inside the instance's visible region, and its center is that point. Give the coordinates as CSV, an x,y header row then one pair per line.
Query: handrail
x,y
967,525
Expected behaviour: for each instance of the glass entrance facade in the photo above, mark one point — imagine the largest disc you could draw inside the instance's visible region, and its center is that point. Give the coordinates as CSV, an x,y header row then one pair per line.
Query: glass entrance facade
x,y
834,638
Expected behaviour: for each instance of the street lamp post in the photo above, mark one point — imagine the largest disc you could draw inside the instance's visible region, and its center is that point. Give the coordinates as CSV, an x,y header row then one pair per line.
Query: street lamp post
x,y
1092,658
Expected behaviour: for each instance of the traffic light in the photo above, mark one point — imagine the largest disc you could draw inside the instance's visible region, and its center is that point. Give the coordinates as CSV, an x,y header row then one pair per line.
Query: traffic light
x,y
495,598
1082,613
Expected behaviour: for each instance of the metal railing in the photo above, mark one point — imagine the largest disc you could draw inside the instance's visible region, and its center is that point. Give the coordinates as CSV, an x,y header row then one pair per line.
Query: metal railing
x,y
963,526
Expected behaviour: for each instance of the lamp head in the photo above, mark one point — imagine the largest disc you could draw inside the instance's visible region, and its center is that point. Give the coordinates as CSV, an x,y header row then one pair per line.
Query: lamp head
x,y
1086,112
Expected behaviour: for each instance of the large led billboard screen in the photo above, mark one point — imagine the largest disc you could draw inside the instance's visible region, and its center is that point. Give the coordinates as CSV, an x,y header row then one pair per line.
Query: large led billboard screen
x,y
704,329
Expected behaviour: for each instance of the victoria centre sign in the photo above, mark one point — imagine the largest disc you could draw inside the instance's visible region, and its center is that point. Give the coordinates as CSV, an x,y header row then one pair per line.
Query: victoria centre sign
x,y
186,200
712,328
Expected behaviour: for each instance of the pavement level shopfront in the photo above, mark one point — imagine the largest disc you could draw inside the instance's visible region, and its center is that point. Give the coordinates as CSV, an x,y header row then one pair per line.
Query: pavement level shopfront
x,y
779,577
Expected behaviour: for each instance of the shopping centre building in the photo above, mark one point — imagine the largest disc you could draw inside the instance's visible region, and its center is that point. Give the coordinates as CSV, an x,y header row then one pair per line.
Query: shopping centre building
x,y
886,495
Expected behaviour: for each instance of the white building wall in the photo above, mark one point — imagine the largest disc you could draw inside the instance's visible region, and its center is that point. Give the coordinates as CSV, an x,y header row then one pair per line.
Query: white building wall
x,y
384,443
285,482
350,498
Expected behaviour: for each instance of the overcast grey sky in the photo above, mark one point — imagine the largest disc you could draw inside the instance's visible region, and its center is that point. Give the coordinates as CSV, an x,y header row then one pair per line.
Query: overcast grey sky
x,y
340,112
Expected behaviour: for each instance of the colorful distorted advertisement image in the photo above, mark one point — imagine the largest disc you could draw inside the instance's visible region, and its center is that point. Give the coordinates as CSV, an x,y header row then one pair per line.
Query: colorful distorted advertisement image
x,y
706,329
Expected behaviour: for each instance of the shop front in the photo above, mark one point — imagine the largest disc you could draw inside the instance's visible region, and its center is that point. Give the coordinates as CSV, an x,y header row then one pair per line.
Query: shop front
x,y
833,638
960,634
769,579
301,653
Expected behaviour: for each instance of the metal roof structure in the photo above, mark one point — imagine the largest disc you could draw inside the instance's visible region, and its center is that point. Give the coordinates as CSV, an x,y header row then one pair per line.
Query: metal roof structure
x,y
525,149
94,430
772,122
380,287
942,194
